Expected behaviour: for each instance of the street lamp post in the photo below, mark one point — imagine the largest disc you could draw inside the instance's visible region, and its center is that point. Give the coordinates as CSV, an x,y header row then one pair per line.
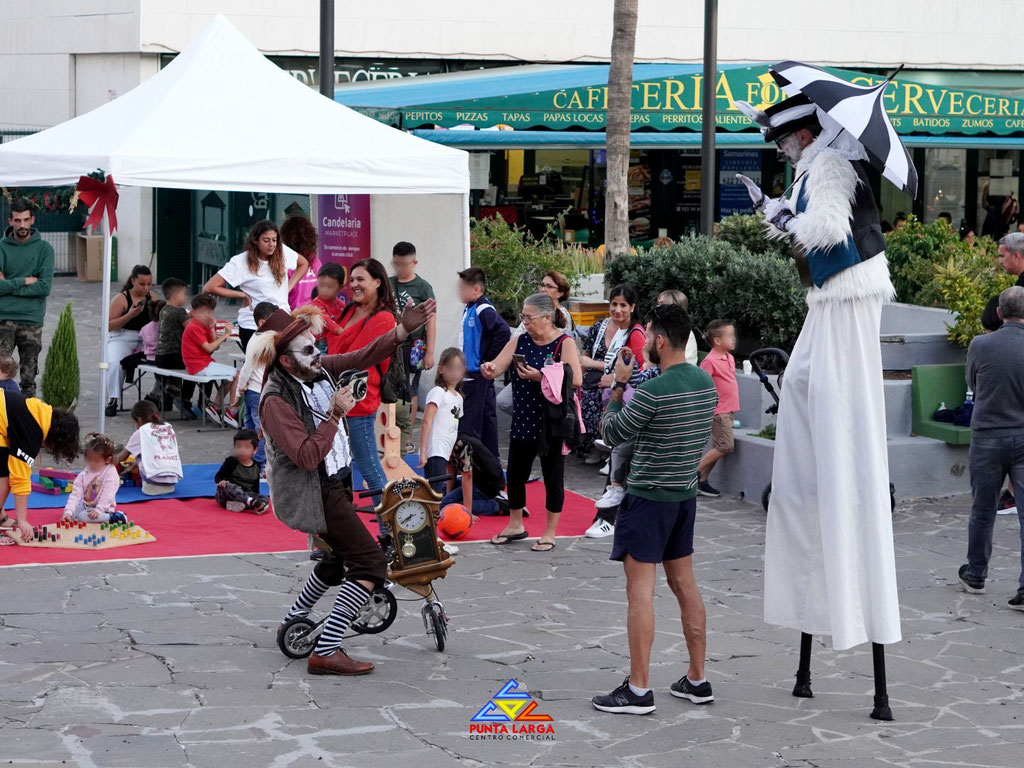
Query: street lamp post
x,y
709,168
326,64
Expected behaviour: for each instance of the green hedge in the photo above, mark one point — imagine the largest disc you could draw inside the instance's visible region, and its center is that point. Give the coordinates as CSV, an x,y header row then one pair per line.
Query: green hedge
x,y
514,262
760,292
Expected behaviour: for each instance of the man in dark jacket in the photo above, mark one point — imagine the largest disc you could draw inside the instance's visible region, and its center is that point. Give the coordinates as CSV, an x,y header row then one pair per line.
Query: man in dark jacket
x,y
995,373
309,465
26,275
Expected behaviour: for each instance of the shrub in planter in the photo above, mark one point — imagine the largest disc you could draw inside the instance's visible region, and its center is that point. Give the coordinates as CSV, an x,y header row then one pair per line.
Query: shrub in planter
x,y
514,262
748,230
61,382
915,249
967,280
760,292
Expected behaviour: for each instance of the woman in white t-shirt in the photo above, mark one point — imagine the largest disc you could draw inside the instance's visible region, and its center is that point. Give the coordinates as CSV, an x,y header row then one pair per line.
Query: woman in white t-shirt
x,y
441,416
259,273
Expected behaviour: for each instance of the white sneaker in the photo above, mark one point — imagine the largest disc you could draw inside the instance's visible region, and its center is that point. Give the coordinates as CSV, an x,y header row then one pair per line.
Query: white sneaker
x,y
600,529
1007,511
599,443
453,549
613,496
605,469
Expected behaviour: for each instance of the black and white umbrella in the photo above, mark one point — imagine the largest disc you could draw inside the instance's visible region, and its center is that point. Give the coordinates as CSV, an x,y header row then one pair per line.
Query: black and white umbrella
x,y
858,109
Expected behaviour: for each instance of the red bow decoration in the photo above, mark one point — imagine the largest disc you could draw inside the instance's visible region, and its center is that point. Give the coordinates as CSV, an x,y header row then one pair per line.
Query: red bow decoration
x,y
99,196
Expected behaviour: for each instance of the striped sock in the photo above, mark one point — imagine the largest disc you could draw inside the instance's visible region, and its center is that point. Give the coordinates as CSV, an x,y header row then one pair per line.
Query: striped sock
x,y
351,598
309,596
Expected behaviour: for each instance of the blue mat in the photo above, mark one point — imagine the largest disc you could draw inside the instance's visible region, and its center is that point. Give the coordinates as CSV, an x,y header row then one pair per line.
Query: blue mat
x,y
198,481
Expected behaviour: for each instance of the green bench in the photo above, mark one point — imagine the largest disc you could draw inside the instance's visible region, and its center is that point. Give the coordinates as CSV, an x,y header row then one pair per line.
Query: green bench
x,y
931,385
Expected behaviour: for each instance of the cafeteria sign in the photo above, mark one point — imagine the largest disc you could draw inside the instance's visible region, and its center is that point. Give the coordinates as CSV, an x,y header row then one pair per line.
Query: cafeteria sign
x,y
674,102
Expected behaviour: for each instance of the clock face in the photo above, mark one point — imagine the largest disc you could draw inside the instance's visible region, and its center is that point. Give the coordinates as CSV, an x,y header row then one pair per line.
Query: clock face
x,y
411,516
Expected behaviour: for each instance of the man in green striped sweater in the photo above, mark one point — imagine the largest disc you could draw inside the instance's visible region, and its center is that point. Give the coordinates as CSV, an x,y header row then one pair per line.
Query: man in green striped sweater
x,y
670,418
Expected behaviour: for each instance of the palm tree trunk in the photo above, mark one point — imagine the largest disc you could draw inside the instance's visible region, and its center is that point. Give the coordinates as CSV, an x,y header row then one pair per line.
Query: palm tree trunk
x,y
617,125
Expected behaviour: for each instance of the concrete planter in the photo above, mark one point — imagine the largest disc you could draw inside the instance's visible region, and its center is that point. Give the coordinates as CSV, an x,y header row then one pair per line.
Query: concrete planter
x,y
591,287
912,335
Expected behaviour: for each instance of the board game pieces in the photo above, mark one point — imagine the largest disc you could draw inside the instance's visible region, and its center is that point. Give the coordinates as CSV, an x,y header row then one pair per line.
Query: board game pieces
x,y
72,534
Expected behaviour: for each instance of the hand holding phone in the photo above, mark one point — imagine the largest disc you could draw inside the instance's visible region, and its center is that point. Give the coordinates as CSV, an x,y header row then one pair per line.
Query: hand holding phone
x,y
519,360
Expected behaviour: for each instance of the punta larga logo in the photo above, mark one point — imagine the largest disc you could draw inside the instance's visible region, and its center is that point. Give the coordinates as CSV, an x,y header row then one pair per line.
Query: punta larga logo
x,y
511,715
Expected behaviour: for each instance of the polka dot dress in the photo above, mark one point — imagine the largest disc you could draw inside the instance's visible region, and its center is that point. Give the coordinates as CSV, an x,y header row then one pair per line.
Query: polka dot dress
x,y
527,399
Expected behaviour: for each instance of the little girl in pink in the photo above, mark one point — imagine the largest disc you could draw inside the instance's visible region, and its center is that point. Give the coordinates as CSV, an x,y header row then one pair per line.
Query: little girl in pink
x,y
92,495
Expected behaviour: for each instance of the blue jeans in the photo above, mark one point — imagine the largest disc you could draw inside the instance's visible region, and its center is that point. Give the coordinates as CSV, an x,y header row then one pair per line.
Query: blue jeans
x,y
483,506
364,451
252,421
991,460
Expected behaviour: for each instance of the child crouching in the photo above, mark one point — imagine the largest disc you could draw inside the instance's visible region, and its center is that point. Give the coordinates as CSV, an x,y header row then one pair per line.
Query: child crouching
x,y
238,479
92,494
155,449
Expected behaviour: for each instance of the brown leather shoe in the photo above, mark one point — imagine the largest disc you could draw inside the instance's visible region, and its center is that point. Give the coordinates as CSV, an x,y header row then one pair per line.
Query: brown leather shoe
x,y
338,663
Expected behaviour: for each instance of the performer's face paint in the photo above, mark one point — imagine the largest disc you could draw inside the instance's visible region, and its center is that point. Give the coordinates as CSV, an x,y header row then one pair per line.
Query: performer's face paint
x,y
305,357
791,147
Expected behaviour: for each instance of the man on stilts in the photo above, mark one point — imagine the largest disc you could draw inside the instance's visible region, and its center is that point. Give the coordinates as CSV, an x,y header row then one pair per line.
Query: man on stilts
x,y
309,465
829,557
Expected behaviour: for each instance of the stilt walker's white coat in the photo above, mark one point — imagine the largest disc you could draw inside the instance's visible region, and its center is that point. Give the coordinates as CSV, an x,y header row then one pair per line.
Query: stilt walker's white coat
x,y
829,560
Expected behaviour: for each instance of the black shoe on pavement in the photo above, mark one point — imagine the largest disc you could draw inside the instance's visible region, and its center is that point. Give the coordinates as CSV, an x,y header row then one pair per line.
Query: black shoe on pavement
x,y
1016,603
698,694
970,584
704,488
1006,500
622,701
111,409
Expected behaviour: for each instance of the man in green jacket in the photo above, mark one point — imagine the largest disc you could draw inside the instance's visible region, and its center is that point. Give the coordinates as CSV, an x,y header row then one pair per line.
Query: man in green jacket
x,y
26,275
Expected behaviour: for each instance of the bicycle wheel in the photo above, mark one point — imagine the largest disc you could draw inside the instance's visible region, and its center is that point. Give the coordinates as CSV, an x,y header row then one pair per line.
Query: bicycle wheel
x,y
440,626
378,614
297,638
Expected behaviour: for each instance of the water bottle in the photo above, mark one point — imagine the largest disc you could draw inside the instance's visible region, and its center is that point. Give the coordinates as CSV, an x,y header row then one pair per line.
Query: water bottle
x,y
549,360
970,397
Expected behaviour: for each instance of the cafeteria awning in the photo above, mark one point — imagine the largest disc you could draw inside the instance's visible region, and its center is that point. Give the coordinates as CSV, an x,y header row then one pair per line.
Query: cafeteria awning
x,y
483,141
666,98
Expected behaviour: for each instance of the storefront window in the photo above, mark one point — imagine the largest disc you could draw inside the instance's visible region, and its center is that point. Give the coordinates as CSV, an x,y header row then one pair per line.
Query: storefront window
x,y
945,185
998,208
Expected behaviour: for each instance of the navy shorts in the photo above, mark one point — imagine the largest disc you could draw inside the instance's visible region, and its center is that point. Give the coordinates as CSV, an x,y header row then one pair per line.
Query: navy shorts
x,y
653,531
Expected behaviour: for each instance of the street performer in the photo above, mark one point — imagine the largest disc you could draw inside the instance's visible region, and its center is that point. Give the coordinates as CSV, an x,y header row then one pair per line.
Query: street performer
x,y
309,464
829,561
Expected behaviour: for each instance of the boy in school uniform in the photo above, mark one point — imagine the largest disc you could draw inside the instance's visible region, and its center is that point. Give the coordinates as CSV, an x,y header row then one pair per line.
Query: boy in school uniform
x,y
482,336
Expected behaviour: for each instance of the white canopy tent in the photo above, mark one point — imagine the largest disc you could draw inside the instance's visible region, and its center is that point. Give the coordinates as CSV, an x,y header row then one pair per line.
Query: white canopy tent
x,y
221,116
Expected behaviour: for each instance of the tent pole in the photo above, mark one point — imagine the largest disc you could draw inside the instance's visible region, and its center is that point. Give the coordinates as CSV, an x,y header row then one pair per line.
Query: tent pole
x,y
467,256
104,324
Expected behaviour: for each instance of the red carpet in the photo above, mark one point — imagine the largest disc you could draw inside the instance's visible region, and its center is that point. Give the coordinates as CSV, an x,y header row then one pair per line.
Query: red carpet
x,y
577,515
193,527
201,527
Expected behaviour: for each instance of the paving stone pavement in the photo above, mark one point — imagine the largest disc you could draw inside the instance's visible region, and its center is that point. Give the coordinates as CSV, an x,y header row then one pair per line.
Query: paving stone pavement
x,y
173,663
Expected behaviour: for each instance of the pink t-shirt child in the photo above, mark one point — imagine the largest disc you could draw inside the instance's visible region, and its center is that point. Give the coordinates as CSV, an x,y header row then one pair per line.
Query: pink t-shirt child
x,y
302,293
722,369
93,491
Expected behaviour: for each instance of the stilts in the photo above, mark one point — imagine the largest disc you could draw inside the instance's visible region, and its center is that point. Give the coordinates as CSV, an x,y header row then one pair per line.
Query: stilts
x,y
881,710
802,689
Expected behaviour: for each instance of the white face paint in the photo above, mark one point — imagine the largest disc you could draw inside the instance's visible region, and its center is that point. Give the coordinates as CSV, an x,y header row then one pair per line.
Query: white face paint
x,y
791,148
306,357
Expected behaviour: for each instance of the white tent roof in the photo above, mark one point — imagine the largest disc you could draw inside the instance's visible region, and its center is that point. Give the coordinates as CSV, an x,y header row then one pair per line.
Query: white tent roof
x,y
221,116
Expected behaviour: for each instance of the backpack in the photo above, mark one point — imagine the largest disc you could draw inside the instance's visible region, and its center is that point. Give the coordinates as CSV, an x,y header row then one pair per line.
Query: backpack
x,y
393,384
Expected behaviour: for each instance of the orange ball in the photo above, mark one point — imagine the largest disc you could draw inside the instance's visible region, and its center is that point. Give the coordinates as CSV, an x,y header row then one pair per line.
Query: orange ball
x,y
456,521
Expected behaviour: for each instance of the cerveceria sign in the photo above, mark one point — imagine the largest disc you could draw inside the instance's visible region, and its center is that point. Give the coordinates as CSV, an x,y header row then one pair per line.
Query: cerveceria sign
x,y
674,102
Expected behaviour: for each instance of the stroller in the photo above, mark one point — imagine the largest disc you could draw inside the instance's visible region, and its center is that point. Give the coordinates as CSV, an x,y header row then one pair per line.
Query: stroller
x,y
772,360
